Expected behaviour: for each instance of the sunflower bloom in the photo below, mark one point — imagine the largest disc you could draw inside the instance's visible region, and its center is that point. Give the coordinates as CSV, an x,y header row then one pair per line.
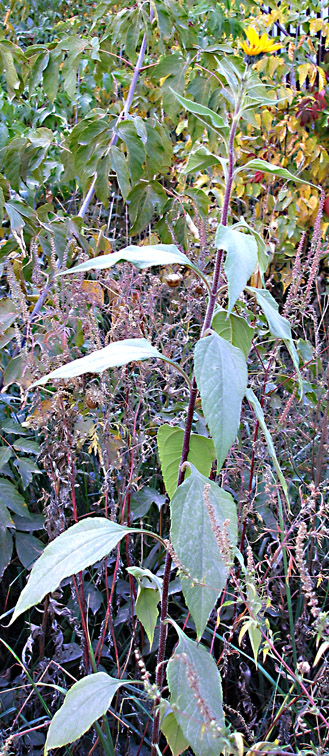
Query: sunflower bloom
x,y
258,45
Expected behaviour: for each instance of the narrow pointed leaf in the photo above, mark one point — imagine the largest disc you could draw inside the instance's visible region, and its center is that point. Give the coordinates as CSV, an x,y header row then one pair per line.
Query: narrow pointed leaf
x,y
194,541
240,261
83,544
191,662
142,257
170,444
87,701
275,170
146,608
114,355
252,399
221,375
200,110
278,325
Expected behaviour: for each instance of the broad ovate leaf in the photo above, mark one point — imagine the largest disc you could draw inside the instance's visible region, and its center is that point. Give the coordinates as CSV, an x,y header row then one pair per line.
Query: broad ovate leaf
x,y
275,170
199,509
193,676
87,701
141,257
116,354
240,260
221,375
83,544
170,444
278,325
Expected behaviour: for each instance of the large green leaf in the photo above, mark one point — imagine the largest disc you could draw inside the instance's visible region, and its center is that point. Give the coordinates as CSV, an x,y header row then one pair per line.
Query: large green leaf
x,y
233,328
262,165
253,401
200,110
145,198
193,675
221,375
240,261
279,326
87,701
114,355
83,544
197,508
170,444
142,257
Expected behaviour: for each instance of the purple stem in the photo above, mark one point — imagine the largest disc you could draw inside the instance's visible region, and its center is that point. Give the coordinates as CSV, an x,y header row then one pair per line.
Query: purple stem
x,y
188,429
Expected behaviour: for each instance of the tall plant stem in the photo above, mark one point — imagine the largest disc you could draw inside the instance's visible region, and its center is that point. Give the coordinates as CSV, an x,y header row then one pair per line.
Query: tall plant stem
x,y
124,113
188,427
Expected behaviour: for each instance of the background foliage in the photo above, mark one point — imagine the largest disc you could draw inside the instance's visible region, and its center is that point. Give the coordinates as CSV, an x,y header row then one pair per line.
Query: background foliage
x,y
97,153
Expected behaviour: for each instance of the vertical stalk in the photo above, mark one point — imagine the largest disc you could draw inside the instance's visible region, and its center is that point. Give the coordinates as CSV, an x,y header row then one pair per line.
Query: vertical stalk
x,y
124,113
190,411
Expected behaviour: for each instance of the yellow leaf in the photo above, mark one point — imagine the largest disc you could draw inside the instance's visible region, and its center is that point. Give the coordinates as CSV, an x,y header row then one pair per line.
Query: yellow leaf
x,y
315,25
303,71
322,650
93,292
322,78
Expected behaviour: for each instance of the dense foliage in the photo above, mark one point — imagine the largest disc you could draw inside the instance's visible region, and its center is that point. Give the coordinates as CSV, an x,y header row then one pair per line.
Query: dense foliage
x,y
164,198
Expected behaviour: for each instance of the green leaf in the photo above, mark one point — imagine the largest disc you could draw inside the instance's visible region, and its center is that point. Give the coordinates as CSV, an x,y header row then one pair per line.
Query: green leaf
x,y
28,548
144,199
233,328
118,163
240,261
5,454
146,608
199,160
116,354
170,444
142,257
8,67
221,375
102,181
26,445
87,701
253,401
275,170
171,730
10,497
51,75
197,508
200,110
192,663
279,326
6,520
136,150
83,544
6,549
26,469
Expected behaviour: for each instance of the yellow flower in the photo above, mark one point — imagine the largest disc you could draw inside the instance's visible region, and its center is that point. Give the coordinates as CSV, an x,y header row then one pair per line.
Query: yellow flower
x,y
258,45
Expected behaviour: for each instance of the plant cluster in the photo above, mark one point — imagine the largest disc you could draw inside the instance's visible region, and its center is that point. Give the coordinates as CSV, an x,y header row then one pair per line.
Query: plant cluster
x,y
164,375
